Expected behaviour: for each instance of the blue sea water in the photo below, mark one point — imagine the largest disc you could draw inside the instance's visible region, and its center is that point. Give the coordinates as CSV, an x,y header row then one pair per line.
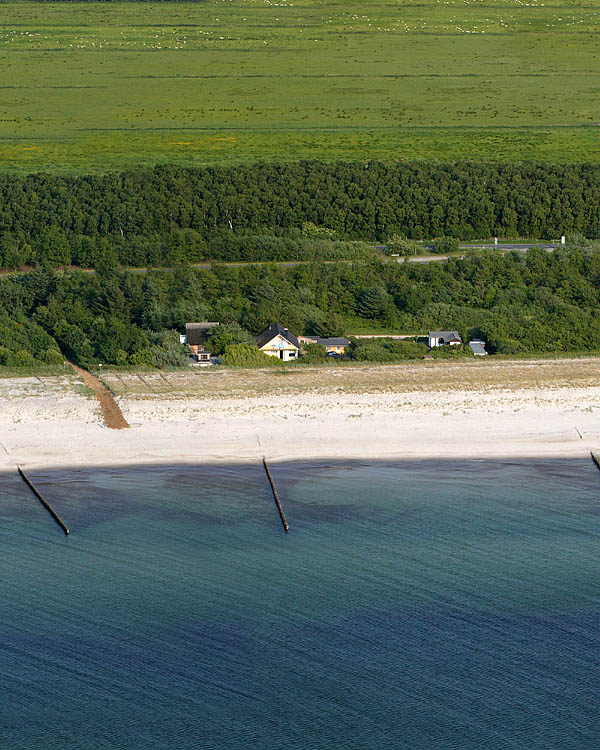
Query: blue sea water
x,y
412,605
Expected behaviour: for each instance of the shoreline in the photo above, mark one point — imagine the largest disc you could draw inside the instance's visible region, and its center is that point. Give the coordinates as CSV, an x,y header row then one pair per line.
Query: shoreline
x,y
52,423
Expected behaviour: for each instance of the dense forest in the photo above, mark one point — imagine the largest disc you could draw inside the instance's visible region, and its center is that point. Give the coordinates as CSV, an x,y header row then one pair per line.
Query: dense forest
x,y
170,215
534,302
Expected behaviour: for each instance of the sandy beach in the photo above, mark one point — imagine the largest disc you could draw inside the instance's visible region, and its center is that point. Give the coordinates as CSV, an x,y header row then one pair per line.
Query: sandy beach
x,y
462,410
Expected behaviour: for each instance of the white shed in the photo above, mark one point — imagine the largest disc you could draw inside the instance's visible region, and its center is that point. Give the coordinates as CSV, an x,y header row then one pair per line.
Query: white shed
x,y
443,338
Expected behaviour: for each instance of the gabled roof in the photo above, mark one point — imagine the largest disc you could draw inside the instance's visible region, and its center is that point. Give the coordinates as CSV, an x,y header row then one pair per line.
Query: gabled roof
x,y
446,335
196,332
276,330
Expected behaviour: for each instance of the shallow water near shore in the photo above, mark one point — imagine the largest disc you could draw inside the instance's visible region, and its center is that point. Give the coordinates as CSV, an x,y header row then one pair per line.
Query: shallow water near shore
x,y
412,605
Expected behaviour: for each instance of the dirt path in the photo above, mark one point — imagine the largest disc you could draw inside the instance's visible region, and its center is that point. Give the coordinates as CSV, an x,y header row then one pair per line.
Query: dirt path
x,y
110,409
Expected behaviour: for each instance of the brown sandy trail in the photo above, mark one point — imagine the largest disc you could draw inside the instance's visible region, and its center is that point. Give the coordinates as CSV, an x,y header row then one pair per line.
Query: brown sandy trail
x,y
110,409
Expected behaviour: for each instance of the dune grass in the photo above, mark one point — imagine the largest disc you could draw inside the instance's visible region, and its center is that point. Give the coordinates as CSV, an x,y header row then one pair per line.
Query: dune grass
x,y
481,374
97,86
36,371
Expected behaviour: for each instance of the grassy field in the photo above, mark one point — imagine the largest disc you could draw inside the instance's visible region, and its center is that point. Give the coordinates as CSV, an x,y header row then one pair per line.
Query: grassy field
x,y
98,86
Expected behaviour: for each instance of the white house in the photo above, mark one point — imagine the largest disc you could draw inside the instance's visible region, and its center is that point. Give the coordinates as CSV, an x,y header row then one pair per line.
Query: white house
x,y
277,341
443,338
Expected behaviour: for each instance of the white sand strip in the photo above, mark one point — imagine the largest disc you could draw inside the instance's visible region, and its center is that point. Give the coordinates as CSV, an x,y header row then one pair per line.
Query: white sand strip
x,y
61,427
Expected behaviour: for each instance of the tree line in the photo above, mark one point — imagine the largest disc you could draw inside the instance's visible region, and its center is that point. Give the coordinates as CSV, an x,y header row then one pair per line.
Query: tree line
x,y
518,303
169,214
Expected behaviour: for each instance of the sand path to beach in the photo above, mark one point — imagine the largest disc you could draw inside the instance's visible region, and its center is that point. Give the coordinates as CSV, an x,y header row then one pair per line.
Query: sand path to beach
x,y
113,416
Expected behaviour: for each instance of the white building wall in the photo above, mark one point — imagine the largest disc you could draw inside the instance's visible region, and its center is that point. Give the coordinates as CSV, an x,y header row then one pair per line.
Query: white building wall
x,y
280,347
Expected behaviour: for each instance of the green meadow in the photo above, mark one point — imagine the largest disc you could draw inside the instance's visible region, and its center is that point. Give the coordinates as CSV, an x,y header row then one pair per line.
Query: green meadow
x,y
89,87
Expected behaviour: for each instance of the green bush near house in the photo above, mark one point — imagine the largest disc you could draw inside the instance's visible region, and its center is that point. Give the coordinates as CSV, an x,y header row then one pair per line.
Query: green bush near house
x,y
167,351
316,351
227,335
314,354
142,358
51,357
451,352
247,355
386,350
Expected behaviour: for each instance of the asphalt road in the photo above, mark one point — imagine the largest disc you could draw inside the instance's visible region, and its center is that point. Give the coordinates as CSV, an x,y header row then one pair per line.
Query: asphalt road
x,y
520,248
505,248
512,246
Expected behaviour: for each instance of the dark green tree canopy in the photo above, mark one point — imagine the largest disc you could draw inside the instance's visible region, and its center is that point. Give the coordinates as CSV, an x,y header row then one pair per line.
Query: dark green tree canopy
x,y
171,215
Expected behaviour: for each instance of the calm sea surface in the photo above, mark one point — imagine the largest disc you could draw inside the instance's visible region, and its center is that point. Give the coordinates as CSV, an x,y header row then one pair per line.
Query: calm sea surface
x,y
416,605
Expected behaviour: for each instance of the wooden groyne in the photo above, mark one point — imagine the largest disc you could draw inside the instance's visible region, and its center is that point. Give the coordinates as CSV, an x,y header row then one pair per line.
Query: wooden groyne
x,y
285,524
595,459
45,503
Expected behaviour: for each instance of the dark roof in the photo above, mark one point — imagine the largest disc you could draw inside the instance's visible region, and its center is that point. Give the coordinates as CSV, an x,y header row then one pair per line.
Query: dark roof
x,y
446,335
196,332
276,330
335,341
478,347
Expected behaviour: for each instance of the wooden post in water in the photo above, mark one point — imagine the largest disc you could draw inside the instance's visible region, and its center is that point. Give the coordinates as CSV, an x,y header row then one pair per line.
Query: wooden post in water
x,y
45,503
286,527
595,460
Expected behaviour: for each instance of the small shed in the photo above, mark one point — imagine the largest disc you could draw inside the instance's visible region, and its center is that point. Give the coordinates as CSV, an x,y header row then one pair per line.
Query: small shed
x,y
478,347
443,338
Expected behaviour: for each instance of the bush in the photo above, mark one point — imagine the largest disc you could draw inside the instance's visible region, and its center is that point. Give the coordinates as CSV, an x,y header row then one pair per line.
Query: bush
x,y
142,358
447,352
445,245
22,358
310,229
386,350
228,334
168,351
51,357
316,351
247,355
314,354
506,346
398,245
5,355
120,357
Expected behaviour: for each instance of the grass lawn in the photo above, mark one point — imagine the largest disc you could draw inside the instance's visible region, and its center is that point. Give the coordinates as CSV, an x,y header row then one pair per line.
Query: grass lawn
x,y
101,86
